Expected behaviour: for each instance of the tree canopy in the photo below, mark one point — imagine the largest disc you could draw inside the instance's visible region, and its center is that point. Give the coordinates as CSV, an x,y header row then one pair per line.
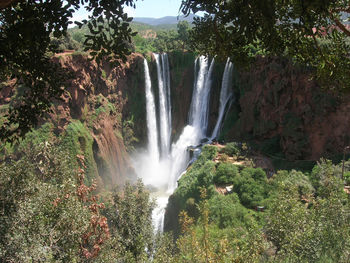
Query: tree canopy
x,y
25,45
314,33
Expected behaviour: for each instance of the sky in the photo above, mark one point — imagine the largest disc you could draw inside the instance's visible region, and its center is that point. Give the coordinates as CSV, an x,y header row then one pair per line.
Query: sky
x,y
144,8
155,8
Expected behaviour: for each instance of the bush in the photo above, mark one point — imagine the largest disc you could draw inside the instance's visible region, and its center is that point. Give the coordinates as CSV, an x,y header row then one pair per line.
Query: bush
x,y
318,232
326,178
251,186
225,173
347,178
208,152
223,157
131,225
293,179
231,149
227,212
43,218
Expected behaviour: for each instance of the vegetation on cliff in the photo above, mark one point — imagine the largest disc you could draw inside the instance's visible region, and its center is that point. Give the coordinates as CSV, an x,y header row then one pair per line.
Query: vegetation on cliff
x,y
234,213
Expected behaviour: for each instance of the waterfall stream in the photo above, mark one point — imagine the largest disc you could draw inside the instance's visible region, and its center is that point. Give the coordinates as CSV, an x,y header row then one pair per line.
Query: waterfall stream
x,y
152,132
161,165
225,96
164,102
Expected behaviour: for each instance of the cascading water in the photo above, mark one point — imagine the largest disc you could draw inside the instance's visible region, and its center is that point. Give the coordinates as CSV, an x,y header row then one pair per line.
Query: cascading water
x,y
166,77
164,102
198,122
149,165
225,96
161,171
152,133
200,99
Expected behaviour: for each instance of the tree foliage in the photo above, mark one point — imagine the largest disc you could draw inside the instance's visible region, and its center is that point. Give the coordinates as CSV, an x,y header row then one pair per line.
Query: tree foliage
x,y
184,32
131,221
311,32
42,218
48,213
25,42
309,228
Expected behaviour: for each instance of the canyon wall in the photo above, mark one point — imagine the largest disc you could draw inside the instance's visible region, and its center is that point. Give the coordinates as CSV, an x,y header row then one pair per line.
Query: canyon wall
x,y
108,102
282,109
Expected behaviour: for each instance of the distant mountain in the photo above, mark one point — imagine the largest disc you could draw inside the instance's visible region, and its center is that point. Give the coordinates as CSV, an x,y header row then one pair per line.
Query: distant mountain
x,y
163,20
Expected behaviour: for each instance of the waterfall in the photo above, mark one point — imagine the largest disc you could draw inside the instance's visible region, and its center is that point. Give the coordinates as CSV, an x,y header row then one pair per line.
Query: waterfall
x,y
164,102
200,99
148,164
198,121
152,133
161,170
166,77
225,96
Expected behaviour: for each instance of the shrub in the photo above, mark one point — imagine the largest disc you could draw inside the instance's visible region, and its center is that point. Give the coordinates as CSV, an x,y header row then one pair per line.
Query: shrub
x,y
347,178
223,157
315,233
208,152
293,179
132,224
251,186
227,212
225,173
231,149
43,218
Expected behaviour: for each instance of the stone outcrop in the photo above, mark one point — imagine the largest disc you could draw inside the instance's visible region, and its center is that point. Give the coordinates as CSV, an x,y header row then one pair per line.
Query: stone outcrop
x,y
98,96
280,103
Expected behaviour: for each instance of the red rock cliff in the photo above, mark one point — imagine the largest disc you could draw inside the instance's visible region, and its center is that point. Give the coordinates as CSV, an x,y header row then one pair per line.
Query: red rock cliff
x,y
98,96
281,101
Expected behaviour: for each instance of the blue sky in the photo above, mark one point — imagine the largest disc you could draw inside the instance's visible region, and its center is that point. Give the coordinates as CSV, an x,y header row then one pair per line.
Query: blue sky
x,y
155,8
145,8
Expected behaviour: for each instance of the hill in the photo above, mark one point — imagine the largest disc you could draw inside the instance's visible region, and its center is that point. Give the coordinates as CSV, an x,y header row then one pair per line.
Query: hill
x,y
163,20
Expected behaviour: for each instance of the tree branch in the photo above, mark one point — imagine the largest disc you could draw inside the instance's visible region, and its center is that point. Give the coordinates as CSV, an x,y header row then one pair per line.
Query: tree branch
x,y
341,27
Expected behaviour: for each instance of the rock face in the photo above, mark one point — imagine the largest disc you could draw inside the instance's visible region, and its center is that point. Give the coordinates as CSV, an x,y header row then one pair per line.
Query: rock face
x,y
181,77
281,107
99,96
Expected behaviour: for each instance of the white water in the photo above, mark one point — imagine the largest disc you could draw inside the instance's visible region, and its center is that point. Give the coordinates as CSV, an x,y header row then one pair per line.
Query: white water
x,y
163,172
164,102
200,99
152,132
198,121
225,96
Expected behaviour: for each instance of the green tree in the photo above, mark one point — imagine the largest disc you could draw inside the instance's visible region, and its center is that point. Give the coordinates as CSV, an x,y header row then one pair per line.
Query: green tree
x,y
251,186
184,31
130,220
203,241
307,227
25,43
41,218
225,173
313,33
166,41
